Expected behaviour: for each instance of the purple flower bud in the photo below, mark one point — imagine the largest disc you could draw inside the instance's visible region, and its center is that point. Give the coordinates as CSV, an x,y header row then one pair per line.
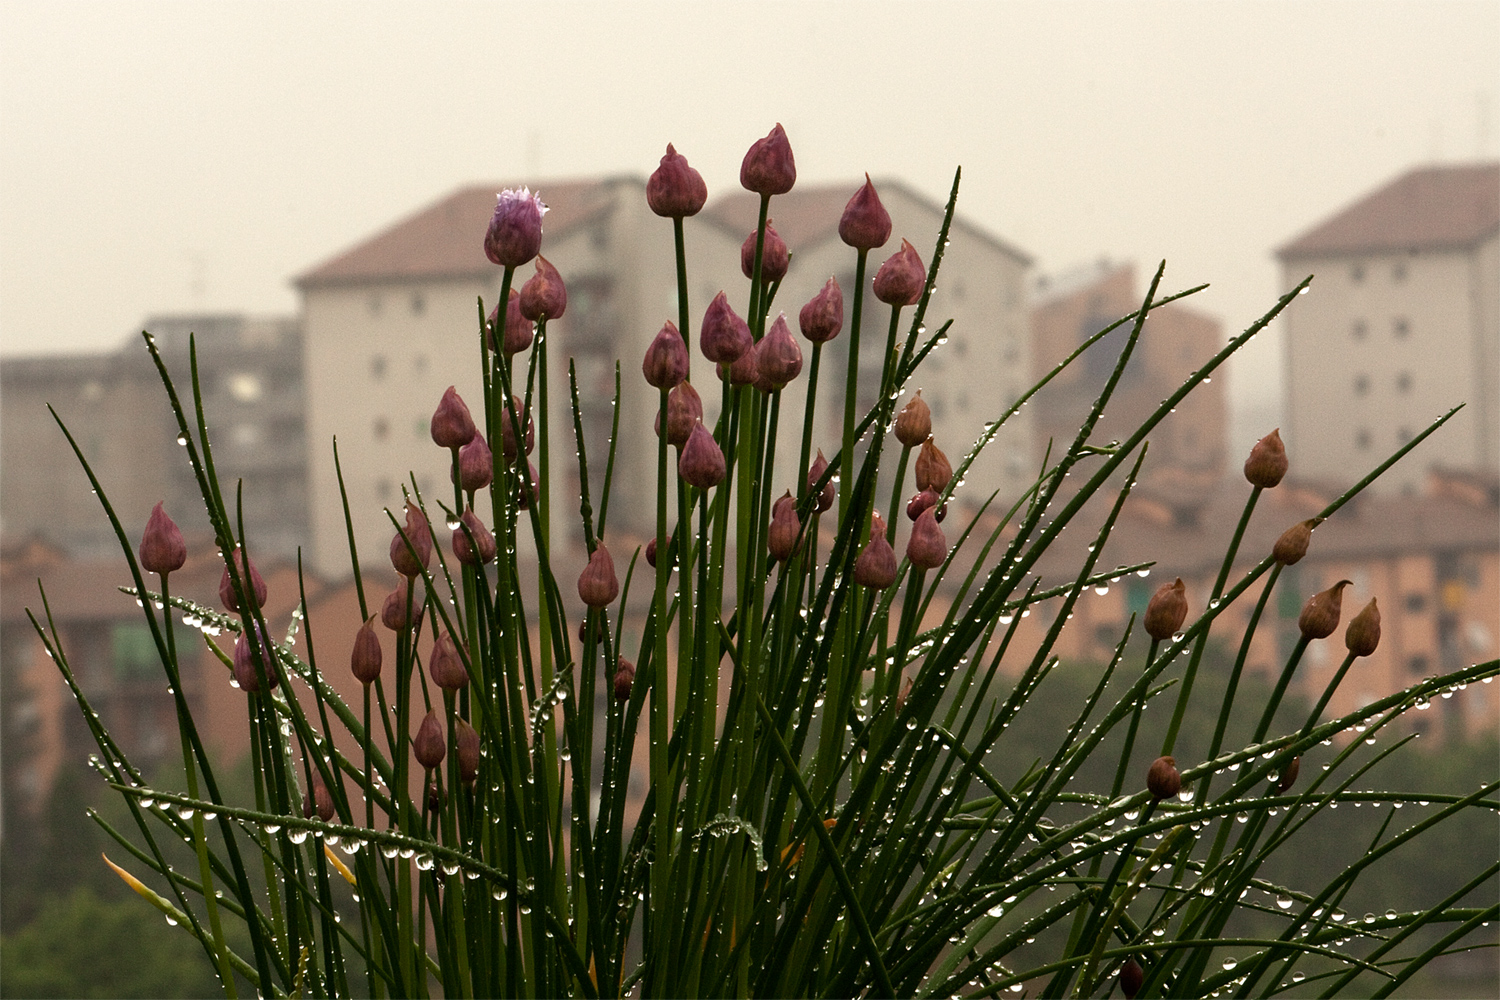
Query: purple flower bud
x,y
684,409
515,233
927,547
900,279
467,738
1163,779
777,356
393,609
476,465
446,666
543,296
518,329
479,551
1166,611
814,473
317,800
933,470
597,584
865,224
1132,978
1320,615
876,566
666,361
508,431
410,560
452,427
675,189
925,500
526,488
744,371
1363,634
430,745
624,678
365,660
823,316
1267,462
651,551
768,167
701,462
914,422
781,537
723,336
255,585
246,674
774,256
162,548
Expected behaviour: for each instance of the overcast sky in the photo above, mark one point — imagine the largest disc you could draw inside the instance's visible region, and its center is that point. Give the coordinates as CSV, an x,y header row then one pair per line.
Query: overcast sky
x,y
159,157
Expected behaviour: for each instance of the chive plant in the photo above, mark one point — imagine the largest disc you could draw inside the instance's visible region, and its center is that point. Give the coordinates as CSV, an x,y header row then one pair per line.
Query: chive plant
x,y
836,825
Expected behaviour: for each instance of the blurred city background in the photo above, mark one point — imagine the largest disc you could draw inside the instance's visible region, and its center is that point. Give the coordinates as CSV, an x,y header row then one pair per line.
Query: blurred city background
x,y
303,191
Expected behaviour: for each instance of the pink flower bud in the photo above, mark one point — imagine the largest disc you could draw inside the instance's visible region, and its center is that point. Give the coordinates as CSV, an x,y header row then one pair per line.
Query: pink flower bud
x,y
768,167
467,738
508,430
1132,978
701,462
865,224
518,329
666,362
393,609
1294,541
515,232
1267,462
723,336
876,566
814,473
623,679
446,666
246,674
597,584
476,465
410,560
526,489
684,410
777,356
317,800
365,660
452,427
744,371
430,745
925,500
543,296
774,256
675,190
914,422
933,470
823,316
927,546
1363,634
162,548
1163,780
781,537
900,279
255,586
482,549
651,551
1320,615
1166,611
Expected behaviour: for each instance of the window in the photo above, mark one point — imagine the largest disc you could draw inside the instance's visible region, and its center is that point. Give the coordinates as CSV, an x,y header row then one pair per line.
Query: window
x,y
1357,273
380,428
1417,665
374,304
1403,435
377,367
1403,382
1401,327
1361,384
245,387
418,304
1398,271
1358,330
1416,602
1362,438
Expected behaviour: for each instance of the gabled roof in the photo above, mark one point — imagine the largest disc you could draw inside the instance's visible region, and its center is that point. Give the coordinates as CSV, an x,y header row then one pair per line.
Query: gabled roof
x,y
446,239
808,215
1429,208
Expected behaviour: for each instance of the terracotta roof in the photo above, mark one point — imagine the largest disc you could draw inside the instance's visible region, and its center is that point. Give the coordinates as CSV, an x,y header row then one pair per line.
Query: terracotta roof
x,y
1443,207
445,239
808,215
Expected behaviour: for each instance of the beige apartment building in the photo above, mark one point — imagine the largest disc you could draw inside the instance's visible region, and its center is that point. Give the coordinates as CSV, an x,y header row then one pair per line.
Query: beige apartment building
x,y
1401,324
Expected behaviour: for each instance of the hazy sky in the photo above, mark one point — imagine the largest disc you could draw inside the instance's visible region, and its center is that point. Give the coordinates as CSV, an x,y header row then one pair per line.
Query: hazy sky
x,y
160,157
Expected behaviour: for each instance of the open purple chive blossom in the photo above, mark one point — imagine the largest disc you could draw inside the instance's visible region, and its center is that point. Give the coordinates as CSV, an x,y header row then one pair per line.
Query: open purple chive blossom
x,y
515,232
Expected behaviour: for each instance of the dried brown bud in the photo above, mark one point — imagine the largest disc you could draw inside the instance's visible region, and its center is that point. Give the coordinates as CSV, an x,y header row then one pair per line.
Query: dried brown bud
x,y
723,336
666,361
410,559
777,356
1320,615
317,800
823,316
365,660
865,223
933,470
1132,978
431,744
393,611
768,167
876,565
781,537
1363,633
467,739
597,584
814,473
162,547
675,190
1292,545
701,461
1163,780
255,586
1267,462
684,411
452,426
1166,611
927,546
446,665
775,258
914,422
900,279
624,677
1289,776
544,296
482,549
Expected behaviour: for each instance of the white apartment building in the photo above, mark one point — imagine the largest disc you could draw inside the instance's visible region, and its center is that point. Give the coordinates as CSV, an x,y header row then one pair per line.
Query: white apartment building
x,y
1401,323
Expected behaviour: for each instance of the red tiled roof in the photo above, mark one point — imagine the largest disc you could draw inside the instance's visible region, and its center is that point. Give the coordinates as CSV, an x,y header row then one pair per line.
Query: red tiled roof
x,y
1443,207
445,239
